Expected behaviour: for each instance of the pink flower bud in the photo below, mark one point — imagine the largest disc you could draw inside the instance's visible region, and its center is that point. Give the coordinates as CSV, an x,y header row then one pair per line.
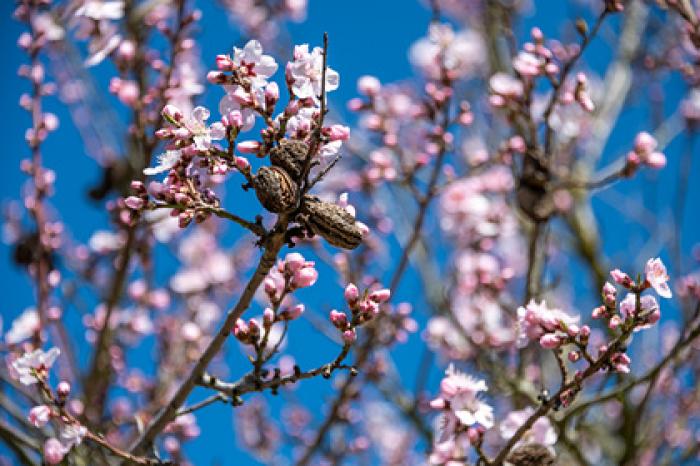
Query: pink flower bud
x,y
295,312
216,77
656,160
224,62
644,143
355,105
615,322
293,262
248,147
272,95
438,403
352,293
338,133
349,336
368,85
304,277
54,451
242,163
240,328
585,331
268,317
574,356
171,112
550,341
126,50
621,278
134,202
270,286
338,319
380,296
63,389
39,415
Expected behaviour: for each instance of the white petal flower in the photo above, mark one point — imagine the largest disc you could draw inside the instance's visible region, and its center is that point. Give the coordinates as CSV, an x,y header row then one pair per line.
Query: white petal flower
x,y
255,65
35,364
166,162
72,434
657,276
307,72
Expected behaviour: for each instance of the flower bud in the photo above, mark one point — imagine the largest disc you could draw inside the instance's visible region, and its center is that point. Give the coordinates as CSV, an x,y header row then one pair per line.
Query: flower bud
x,y
54,451
550,341
63,389
39,415
304,277
338,319
380,296
368,85
352,293
268,317
293,262
349,336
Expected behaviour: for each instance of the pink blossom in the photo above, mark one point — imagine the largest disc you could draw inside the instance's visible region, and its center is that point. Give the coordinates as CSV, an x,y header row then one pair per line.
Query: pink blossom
x,y
35,365
461,392
352,293
656,275
63,389
306,73
54,451
253,64
39,415
368,85
304,277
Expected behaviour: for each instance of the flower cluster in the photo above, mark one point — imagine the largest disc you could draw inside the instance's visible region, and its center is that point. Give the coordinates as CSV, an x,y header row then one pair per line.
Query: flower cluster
x,y
465,416
363,308
644,153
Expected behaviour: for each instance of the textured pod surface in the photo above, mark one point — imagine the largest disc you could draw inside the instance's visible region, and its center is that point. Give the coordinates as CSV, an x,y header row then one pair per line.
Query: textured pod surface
x,y
531,454
276,190
290,155
332,223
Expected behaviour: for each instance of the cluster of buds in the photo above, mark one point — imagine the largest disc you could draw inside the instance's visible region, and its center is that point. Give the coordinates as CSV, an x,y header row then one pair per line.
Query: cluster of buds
x,y
187,196
290,274
644,152
506,91
636,311
553,328
363,307
247,333
536,59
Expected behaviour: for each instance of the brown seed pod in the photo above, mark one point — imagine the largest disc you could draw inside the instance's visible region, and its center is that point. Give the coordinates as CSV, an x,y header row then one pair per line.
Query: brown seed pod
x,y
275,189
290,155
531,454
331,222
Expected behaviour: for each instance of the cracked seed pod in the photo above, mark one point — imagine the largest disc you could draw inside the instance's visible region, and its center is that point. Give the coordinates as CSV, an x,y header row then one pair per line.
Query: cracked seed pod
x,y
531,454
332,223
275,189
290,155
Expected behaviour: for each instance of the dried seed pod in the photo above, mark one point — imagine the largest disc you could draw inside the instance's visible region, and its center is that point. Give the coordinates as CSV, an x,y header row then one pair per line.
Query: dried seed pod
x,y
276,190
290,155
331,222
531,454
